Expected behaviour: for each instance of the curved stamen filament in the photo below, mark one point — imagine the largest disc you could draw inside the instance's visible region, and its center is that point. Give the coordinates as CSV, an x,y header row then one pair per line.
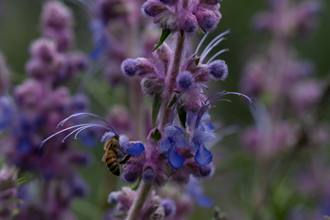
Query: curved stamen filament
x,y
66,129
215,55
216,98
213,43
200,43
207,51
90,114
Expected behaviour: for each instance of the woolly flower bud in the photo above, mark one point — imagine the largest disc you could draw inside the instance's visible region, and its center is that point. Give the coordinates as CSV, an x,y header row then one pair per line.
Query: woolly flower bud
x,y
148,176
152,8
132,171
218,70
163,53
169,207
207,171
113,198
208,17
64,38
80,103
139,66
43,49
130,177
56,15
185,80
168,21
188,22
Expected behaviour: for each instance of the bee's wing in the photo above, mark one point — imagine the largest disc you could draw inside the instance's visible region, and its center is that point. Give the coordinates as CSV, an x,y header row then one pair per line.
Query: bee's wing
x,y
104,156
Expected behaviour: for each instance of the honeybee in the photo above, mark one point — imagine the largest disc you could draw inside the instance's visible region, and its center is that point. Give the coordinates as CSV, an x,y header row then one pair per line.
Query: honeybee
x,y
112,152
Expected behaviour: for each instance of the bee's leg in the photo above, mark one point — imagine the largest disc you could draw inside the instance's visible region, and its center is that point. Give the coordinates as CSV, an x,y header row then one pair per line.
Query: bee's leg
x,y
125,159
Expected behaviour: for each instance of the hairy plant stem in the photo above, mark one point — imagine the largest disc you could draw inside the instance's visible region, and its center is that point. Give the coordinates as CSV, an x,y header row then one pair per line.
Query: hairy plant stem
x,y
170,80
139,200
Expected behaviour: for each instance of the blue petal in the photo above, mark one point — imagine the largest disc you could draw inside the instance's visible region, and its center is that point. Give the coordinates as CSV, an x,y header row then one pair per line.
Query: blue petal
x,y
96,52
204,201
170,131
24,146
210,126
208,137
179,131
195,146
165,144
180,141
136,149
174,158
203,156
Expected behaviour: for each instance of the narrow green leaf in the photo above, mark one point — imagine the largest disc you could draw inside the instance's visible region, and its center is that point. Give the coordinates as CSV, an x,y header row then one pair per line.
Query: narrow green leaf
x,y
156,135
155,107
183,117
15,200
165,34
172,101
136,185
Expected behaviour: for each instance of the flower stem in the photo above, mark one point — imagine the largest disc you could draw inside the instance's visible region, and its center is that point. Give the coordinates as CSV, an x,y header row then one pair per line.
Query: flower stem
x,y
139,200
170,80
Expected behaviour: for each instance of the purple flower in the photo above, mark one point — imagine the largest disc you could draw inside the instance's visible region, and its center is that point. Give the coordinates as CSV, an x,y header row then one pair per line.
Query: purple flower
x,y
169,207
185,80
173,139
195,190
218,70
201,135
139,66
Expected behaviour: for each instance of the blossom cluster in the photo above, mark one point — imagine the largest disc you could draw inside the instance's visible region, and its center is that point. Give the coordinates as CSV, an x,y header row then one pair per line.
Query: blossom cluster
x,y
38,104
176,15
290,102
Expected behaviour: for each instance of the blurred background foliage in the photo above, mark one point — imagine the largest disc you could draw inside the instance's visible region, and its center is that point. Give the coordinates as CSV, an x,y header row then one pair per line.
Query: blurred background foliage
x,y
19,27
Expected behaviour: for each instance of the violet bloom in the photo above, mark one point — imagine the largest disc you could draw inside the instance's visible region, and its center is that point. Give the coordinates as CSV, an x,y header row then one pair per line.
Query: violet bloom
x,y
196,191
173,139
202,135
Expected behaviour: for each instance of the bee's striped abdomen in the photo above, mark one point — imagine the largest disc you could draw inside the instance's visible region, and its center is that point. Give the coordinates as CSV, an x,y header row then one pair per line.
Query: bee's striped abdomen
x,y
112,163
